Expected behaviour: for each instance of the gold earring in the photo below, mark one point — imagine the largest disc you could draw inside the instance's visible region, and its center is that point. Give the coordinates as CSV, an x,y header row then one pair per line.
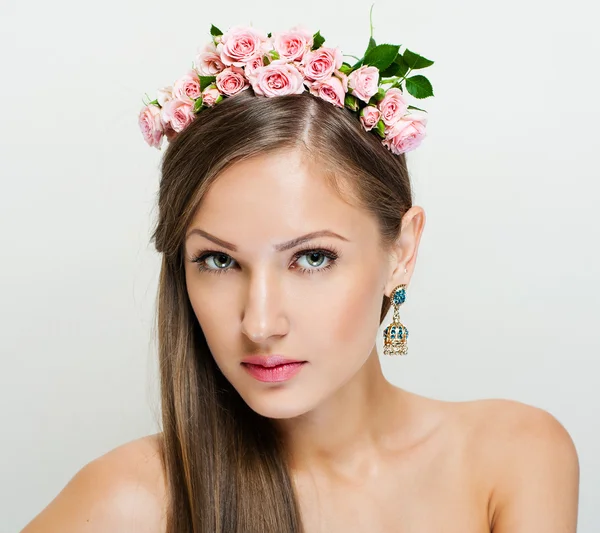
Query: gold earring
x,y
396,334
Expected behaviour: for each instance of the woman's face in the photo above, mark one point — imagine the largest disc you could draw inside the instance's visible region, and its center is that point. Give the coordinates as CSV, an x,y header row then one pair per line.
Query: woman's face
x,y
316,301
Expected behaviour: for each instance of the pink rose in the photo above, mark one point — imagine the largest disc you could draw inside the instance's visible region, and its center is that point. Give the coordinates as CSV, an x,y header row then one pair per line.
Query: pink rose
x,y
164,95
240,44
151,125
369,117
331,90
393,106
253,65
208,61
177,114
292,45
187,87
279,78
406,134
364,82
231,81
320,63
343,78
211,96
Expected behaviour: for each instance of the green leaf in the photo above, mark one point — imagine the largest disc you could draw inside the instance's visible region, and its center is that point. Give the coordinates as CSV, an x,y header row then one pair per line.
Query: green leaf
x,y
381,128
419,87
417,108
397,68
198,104
415,61
403,67
269,35
377,97
390,72
154,102
214,31
318,40
205,81
381,56
372,44
274,54
345,68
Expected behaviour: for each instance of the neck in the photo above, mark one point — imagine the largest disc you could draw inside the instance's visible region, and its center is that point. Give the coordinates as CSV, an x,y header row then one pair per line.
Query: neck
x,y
348,433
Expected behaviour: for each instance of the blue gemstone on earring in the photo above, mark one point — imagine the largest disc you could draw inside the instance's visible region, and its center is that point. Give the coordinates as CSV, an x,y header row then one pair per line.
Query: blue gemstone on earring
x,y
399,297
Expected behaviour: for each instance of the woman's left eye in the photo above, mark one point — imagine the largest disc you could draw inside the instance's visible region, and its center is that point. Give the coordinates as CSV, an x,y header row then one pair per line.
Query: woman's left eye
x,y
314,261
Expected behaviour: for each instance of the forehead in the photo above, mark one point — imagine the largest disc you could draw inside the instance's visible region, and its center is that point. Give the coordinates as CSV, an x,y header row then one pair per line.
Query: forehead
x,y
276,196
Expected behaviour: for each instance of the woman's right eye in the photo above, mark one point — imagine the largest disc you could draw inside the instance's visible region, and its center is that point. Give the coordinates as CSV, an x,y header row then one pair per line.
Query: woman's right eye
x,y
220,262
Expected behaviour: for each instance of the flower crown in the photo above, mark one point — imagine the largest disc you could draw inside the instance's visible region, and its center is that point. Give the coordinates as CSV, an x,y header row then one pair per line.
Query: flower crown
x,y
290,63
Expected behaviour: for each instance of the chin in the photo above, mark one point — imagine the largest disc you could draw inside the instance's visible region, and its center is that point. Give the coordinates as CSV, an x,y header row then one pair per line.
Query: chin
x,y
277,408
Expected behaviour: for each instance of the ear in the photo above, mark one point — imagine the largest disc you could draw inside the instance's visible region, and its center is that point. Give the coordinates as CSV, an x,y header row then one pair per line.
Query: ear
x,y
404,250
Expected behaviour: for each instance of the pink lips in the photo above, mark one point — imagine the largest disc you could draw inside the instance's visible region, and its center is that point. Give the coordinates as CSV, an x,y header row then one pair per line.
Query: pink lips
x,y
272,368
269,360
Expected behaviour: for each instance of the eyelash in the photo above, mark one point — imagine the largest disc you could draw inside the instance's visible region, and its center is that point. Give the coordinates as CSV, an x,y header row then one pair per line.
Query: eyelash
x,y
330,252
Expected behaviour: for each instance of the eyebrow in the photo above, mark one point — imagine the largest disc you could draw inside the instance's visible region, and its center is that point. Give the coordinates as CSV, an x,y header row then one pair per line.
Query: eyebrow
x,y
278,247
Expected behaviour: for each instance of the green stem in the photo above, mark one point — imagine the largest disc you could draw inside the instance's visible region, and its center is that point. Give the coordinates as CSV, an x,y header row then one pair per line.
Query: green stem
x,y
348,55
371,19
404,77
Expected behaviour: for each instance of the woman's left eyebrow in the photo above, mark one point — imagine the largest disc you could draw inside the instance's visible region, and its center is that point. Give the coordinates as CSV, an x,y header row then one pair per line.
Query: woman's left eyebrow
x,y
299,240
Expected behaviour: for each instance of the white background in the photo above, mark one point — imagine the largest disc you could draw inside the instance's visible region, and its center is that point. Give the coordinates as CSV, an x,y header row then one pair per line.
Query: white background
x,y
504,302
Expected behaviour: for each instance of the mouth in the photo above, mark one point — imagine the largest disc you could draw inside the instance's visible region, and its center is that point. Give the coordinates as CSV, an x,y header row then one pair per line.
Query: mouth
x,y
274,373
269,361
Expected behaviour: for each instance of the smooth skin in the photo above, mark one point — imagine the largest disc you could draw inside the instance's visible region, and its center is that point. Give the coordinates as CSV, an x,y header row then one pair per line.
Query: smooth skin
x,y
367,456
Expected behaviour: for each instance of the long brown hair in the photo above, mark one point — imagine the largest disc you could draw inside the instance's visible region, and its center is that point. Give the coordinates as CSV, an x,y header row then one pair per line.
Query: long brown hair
x,y
225,467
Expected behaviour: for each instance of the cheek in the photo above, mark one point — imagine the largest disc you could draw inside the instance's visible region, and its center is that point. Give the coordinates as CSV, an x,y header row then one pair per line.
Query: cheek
x,y
353,318
213,313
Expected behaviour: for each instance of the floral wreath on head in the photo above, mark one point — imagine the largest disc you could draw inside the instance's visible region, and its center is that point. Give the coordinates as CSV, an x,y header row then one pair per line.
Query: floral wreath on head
x,y
292,62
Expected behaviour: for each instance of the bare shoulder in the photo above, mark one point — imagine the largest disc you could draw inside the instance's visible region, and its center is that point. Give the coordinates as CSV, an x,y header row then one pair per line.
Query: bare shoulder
x,y
529,460
122,491
508,427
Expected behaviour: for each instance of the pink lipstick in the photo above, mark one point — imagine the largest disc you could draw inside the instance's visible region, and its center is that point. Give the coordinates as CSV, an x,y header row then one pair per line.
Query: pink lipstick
x,y
272,368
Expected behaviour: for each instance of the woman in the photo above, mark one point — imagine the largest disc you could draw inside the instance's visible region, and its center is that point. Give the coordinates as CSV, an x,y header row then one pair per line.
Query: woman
x,y
285,227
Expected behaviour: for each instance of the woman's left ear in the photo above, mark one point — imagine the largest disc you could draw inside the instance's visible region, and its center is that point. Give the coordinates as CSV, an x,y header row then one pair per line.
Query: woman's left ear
x,y
405,248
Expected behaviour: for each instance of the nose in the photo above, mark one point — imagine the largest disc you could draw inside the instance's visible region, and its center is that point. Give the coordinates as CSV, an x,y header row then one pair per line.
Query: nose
x,y
263,311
